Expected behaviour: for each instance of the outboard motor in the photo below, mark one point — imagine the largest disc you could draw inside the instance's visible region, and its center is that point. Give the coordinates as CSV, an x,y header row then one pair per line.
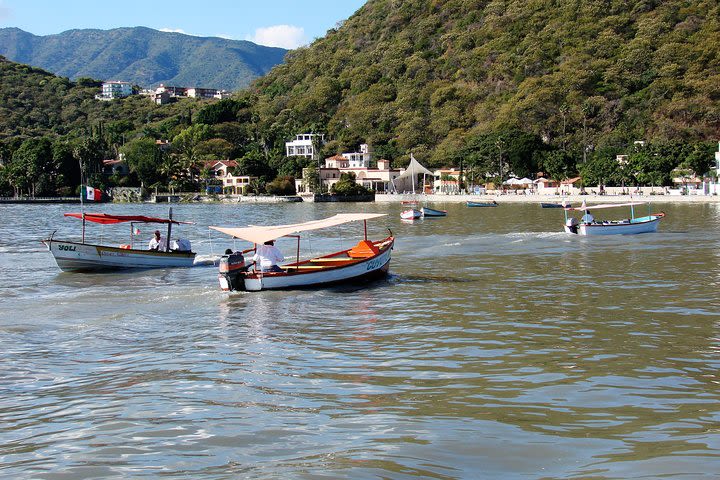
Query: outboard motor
x,y
572,225
231,272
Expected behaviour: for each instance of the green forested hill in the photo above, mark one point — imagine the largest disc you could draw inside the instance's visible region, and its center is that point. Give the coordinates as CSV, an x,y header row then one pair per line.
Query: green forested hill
x,y
497,87
143,56
433,76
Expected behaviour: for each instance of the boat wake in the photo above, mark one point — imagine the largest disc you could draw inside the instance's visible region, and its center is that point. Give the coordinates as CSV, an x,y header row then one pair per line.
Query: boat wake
x,y
206,260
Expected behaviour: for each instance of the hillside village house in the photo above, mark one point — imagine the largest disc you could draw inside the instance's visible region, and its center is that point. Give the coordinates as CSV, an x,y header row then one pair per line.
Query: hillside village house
x,y
167,93
302,146
115,89
231,184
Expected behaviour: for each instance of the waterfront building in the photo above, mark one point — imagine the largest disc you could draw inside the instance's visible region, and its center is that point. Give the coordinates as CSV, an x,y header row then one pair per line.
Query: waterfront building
x,y
379,179
231,184
446,180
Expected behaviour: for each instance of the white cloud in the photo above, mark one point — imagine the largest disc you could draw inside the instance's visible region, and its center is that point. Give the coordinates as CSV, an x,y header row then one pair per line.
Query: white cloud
x,y
176,30
284,36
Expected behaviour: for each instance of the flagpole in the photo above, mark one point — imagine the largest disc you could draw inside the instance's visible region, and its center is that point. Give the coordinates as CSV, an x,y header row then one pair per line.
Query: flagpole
x,y
167,240
82,205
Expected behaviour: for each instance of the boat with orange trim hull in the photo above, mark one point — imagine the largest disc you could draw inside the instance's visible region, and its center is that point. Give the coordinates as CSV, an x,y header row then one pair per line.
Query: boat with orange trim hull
x,y
365,261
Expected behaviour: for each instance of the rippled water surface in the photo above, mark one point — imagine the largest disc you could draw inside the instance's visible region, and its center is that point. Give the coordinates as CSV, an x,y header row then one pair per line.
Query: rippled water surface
x,y
497,348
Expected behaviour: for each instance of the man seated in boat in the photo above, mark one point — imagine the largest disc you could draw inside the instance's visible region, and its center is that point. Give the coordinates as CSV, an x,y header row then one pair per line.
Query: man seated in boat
x,y
267,257
181,245
157,242
588,217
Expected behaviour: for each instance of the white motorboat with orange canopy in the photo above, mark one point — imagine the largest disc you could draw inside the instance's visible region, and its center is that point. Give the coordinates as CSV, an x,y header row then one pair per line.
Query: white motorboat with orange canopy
x,y
588,225
366,260
81,256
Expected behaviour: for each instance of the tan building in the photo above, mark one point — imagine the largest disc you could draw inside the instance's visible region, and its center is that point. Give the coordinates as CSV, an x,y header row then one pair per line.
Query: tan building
x,y
379,179
231,184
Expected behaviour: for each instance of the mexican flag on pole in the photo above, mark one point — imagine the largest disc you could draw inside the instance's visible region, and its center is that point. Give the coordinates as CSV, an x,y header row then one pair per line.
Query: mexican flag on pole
x,y
91,194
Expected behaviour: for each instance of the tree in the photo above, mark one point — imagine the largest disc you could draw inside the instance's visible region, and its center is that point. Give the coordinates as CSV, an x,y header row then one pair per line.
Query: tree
x,y
600,171
144,160
347,186
311,178
187,143
557,164
32,166
282,185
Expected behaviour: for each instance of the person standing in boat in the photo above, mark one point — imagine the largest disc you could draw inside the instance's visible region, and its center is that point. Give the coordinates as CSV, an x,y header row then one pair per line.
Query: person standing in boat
x,y
267,257
157,242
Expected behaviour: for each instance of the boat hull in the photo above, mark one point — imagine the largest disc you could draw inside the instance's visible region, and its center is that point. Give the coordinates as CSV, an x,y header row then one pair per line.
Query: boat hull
x,y
74,256
302,275
431,212
411,214
647,224
482,204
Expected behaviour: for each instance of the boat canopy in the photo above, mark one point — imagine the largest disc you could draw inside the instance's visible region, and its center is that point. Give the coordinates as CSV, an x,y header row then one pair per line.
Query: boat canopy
x,y
584,207
106,219
260,234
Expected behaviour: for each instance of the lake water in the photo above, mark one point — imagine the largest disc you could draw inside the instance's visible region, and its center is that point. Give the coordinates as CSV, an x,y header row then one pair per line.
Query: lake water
x,y
498,348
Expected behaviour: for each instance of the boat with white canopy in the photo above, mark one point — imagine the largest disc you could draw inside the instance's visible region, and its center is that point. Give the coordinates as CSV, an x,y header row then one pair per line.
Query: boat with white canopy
x,y
588,225
364,261
81,256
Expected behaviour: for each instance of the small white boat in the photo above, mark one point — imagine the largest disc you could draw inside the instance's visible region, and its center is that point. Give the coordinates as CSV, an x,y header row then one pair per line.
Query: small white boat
x,y
366,260
81,256
588,225
431,212
411,214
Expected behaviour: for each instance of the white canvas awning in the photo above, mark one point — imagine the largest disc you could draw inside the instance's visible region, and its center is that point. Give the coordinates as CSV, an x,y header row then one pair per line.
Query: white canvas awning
x,y
414,168
261,234
410,174
584,207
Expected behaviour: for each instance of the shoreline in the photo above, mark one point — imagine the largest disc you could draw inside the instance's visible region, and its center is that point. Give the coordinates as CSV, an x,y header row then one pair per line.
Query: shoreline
x,y
575,200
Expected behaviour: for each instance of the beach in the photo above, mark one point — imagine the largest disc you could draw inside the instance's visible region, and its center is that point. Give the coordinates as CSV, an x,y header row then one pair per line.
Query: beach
x,y
571,199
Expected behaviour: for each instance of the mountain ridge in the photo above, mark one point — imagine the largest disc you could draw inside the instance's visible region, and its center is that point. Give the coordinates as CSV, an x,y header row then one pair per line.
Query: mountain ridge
x,y
142,56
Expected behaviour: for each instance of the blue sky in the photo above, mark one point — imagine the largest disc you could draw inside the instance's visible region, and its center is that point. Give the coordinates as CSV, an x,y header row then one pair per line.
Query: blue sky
x,y
278,23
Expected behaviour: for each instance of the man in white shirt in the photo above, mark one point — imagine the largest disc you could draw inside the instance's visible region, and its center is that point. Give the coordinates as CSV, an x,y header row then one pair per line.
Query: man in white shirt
x,y
157,242
267,257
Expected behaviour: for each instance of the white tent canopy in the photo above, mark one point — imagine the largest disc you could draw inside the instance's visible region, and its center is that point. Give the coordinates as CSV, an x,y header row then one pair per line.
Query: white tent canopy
x,y
512,181
412,171
414,168
259,234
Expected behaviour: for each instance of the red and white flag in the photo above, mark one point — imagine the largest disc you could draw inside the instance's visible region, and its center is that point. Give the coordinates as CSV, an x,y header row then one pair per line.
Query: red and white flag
x,y
92,194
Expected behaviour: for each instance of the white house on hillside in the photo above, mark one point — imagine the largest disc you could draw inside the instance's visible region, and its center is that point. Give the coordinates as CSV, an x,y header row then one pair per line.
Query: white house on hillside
x,y
302,146
115,89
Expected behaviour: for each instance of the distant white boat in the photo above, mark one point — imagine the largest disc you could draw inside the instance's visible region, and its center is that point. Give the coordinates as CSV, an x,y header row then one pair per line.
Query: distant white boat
x,y
411,214
81,256
588,225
